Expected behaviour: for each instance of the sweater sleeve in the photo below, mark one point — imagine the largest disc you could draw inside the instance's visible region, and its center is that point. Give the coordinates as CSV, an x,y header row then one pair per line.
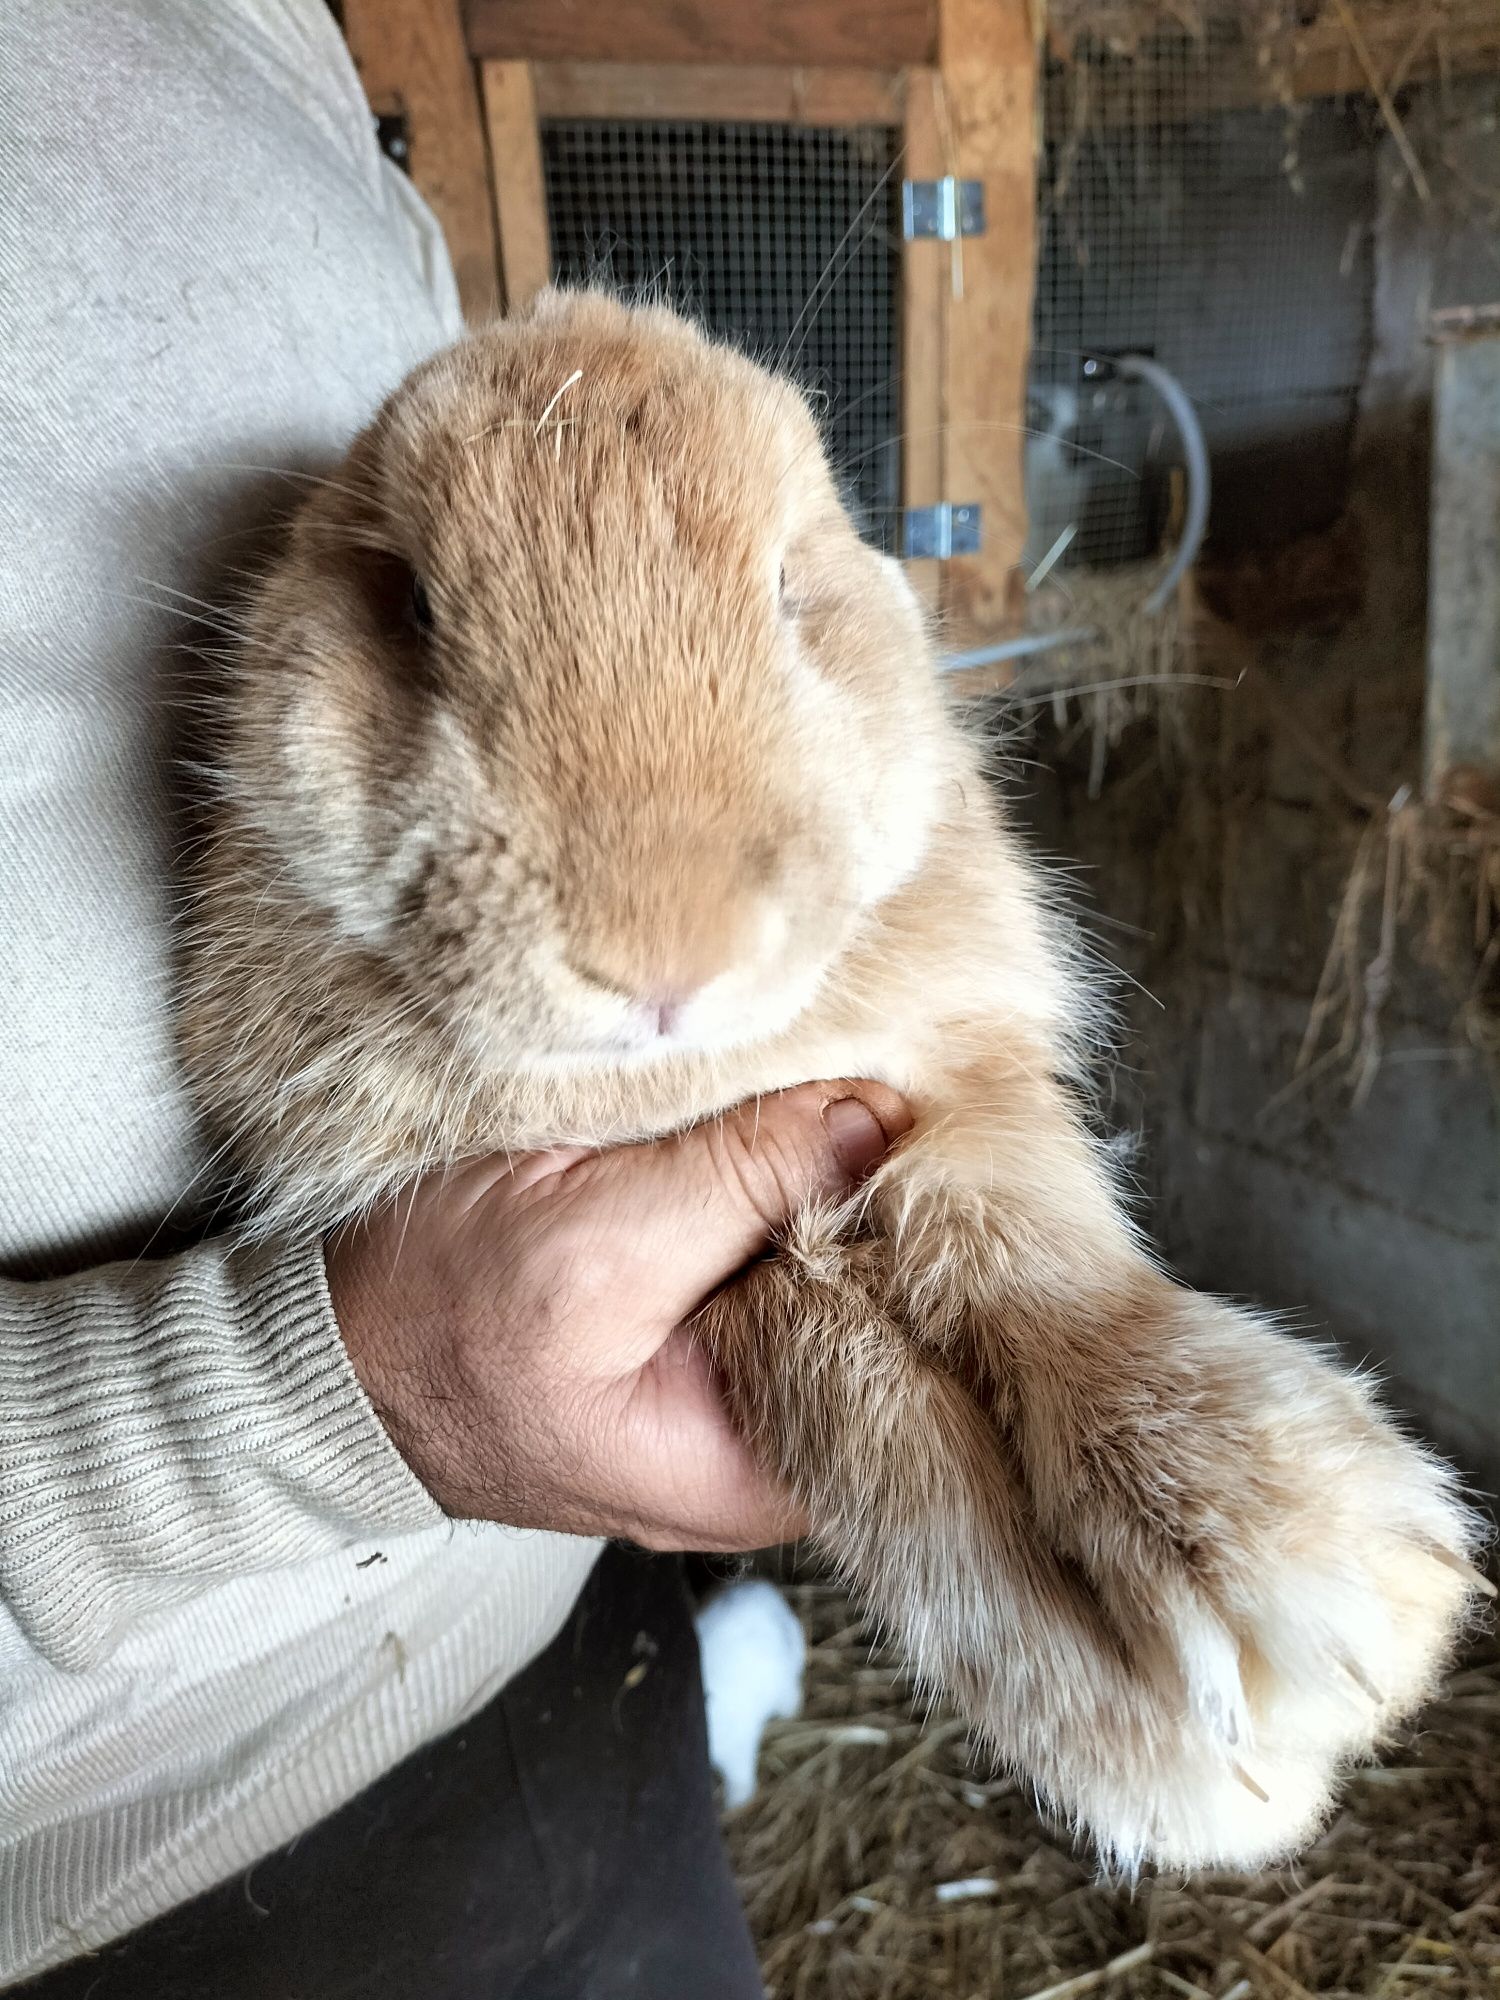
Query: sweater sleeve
x,y
165,1426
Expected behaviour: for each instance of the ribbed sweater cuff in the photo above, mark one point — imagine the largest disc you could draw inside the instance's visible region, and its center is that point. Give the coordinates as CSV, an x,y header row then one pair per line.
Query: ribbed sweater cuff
x,y
360,1476
164,1426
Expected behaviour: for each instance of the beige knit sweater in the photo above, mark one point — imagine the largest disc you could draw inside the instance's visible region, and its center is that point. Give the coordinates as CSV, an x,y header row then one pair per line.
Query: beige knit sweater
x,y
205,268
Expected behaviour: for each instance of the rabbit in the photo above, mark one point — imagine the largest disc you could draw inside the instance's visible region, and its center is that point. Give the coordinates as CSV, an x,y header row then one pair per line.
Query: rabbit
x,y
580,773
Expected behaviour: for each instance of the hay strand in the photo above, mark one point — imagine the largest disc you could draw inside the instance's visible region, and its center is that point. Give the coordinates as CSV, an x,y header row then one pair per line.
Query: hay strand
x,y
1421,875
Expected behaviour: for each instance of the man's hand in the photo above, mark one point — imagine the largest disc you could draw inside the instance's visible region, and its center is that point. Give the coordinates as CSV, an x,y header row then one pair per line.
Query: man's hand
x,y
519,1326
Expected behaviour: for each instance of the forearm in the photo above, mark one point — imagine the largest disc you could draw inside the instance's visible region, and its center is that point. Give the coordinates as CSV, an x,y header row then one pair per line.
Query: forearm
x,y
166,1425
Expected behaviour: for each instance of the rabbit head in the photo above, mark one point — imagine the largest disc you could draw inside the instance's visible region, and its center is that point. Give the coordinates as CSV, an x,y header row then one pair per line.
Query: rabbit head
x,y
592,716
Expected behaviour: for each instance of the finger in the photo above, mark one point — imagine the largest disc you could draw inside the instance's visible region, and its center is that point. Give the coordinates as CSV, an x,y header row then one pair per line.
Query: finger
x,y
478,1179
697,1208
683,1474
774,1154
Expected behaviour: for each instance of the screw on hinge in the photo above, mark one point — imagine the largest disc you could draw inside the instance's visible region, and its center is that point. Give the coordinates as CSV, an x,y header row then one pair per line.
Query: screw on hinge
x,y
943,209
940,532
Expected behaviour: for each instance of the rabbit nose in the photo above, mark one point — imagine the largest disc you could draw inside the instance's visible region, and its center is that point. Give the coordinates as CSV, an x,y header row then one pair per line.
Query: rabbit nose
x,y
657,1006
663,1010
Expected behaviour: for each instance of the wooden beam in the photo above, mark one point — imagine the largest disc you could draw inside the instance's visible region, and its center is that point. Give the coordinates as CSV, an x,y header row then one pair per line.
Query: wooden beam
x,y
988,59
753,93
411,58
884,34
525,241
924,288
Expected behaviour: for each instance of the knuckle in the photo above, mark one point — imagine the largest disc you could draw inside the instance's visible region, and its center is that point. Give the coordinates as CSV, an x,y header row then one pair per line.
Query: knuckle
x,y
765,1175
777,1152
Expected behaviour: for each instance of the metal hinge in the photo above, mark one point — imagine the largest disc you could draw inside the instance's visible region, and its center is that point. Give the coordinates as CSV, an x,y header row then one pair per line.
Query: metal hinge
x,y
940,532
944,209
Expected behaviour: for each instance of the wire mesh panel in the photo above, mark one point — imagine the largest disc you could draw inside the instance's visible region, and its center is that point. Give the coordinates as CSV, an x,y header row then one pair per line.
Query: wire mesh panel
x,y
1233,247
782,238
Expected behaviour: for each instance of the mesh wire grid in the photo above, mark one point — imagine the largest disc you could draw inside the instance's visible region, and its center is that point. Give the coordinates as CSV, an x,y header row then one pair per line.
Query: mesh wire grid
x,y
1233,248
784,239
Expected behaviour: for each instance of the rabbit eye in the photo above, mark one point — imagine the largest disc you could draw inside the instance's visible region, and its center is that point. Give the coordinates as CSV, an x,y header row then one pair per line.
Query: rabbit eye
x,y
421,604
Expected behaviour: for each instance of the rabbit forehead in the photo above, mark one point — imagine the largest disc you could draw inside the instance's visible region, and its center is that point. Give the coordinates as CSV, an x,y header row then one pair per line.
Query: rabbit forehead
x,y
598,501
599,416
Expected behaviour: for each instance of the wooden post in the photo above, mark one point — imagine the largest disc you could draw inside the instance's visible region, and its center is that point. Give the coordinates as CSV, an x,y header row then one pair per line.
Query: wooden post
x,y
413,62
987,61
516,173
1463,613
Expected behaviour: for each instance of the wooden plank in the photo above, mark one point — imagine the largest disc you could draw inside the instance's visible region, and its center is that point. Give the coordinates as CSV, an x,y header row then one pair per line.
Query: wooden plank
x,y
924,289
988,65
510,113
1463,613
884,34
411,58
1405,45
833,96
754,93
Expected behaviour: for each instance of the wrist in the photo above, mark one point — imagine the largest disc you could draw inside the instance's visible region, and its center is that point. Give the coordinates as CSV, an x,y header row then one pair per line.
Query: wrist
x,y
362,1309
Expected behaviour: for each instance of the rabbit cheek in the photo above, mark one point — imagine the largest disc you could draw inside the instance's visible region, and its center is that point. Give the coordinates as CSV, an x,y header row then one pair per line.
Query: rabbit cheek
x,y
335,813
876,777
893,837
371,812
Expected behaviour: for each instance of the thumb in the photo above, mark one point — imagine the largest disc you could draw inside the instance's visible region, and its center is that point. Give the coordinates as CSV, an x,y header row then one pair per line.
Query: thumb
x,y
772,1156
704,1204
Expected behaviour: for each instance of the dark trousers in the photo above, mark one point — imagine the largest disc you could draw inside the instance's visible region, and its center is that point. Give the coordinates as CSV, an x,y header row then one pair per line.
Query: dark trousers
x,y
561,1845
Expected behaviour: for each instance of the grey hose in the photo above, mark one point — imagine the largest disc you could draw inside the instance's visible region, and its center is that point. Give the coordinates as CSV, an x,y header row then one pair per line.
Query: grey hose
x,y
1195,462
1199,489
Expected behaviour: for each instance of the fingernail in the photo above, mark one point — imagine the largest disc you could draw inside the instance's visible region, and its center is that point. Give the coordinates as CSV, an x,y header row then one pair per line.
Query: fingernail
x,y
855,1133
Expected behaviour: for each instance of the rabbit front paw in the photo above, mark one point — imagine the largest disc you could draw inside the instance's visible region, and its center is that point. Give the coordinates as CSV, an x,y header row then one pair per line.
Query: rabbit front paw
x,y
1286,1570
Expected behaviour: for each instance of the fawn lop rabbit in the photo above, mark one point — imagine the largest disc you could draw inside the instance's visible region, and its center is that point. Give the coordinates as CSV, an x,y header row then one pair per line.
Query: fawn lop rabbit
x,y
581,774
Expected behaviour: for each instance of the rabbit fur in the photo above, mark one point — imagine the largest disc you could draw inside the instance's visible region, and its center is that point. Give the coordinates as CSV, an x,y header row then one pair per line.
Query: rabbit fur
x,y
646,798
